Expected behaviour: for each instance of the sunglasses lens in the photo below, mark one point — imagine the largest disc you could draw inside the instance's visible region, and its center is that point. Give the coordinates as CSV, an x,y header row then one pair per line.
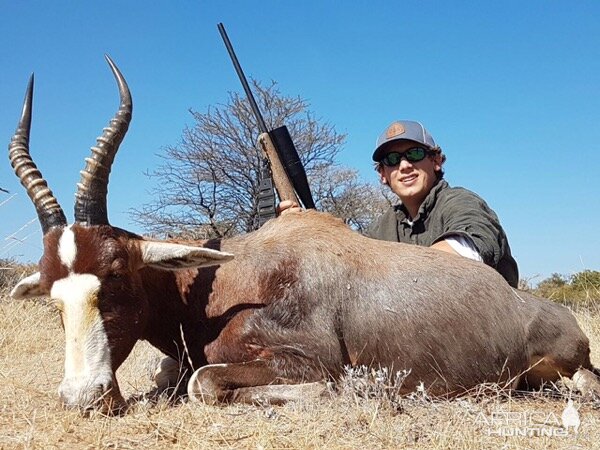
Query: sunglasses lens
x,y
391,159
415,154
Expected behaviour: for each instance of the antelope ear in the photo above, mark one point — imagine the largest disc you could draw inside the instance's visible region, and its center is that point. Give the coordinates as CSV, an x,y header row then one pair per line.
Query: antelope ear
x,y
28,287
169,256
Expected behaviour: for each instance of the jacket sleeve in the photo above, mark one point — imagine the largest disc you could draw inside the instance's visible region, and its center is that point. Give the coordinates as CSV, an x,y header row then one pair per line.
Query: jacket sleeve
x,y
385,228
466,214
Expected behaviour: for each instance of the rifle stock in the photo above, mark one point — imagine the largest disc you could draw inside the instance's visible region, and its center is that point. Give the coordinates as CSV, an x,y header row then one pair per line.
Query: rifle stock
x,y
288,155
288,173
283,185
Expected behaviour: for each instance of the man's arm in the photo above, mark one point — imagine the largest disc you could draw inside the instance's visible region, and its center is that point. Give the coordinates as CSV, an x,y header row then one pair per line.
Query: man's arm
x,y
444,246
459,245
466,216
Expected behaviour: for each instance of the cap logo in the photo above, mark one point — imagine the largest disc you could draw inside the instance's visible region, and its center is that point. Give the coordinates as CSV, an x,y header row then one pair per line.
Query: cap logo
x,y
394,130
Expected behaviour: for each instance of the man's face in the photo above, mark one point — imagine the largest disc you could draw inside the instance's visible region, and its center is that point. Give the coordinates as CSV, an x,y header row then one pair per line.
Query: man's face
x,y
410,181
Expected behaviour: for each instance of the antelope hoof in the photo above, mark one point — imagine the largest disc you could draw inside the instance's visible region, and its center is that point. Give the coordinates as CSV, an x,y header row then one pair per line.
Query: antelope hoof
x,y
167,374
202,388
587,383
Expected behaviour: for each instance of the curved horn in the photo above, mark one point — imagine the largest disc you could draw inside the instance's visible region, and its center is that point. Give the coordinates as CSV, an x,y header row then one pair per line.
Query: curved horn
x,y
49,212
90,199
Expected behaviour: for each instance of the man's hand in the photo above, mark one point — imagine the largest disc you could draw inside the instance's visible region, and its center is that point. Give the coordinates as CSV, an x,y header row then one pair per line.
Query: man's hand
x,y
444,246
286,206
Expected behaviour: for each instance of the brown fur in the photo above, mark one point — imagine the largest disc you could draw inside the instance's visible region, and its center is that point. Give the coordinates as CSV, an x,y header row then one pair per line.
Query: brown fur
x,y
306,295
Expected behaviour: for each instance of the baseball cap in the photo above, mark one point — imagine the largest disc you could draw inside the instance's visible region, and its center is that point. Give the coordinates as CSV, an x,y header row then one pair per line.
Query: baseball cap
x,y
406,130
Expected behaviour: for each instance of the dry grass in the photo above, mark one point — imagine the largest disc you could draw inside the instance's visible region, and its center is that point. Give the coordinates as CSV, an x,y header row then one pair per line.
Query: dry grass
x,y
31,354
11,272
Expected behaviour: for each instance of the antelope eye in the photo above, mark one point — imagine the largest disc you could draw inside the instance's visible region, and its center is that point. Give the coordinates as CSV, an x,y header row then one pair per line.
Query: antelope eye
x,y
117,269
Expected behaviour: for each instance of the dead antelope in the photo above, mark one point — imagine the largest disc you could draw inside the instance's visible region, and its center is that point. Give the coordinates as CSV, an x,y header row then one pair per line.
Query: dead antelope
x,y
303,297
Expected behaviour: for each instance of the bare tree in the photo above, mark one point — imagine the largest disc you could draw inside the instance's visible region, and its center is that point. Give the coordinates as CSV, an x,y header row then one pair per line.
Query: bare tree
x,y
341,193
208,183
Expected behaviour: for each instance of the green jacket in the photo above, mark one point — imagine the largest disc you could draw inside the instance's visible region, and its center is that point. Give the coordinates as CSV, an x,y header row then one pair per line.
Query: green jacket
x,y
451,211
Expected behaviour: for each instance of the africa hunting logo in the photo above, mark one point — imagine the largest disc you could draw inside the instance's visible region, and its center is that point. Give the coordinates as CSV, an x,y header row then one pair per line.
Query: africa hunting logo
x,y
526,423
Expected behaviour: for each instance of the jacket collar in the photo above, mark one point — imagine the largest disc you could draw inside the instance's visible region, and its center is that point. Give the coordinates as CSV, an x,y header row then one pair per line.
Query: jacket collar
x,y
425,207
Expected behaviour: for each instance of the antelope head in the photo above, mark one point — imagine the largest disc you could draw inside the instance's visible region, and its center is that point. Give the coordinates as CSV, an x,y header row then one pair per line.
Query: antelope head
x,y
90,269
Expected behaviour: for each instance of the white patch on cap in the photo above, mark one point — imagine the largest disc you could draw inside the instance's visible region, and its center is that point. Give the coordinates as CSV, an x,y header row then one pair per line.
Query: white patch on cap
x,y
67,249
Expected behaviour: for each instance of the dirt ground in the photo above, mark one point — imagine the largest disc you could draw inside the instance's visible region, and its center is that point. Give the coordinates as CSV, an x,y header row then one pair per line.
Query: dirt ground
x,y
31,358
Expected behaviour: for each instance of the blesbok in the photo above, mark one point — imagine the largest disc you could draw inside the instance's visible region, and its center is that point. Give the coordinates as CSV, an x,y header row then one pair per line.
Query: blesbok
x,y
303,297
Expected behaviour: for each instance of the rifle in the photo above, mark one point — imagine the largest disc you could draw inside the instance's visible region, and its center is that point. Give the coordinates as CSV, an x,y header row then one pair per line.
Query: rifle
x,y
281,156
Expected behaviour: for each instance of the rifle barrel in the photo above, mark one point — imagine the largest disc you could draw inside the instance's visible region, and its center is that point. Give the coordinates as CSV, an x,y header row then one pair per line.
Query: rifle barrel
x,y
261,123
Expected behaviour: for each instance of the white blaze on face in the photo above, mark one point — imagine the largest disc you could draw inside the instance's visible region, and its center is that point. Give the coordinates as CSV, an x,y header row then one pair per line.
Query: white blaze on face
x,y
67,249
87,353
86,341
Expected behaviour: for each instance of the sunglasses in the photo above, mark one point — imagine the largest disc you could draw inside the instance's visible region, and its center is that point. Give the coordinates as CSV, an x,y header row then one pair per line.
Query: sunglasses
x,y
412,155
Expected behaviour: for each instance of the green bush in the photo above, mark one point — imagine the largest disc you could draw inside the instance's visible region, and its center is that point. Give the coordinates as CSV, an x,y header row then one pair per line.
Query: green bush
x,y
580,289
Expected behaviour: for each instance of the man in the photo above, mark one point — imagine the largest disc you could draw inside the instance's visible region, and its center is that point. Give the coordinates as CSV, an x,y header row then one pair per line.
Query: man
x,y
430,212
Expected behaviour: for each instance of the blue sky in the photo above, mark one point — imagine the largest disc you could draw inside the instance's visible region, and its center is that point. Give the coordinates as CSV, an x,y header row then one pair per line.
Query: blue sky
x,y
510,90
